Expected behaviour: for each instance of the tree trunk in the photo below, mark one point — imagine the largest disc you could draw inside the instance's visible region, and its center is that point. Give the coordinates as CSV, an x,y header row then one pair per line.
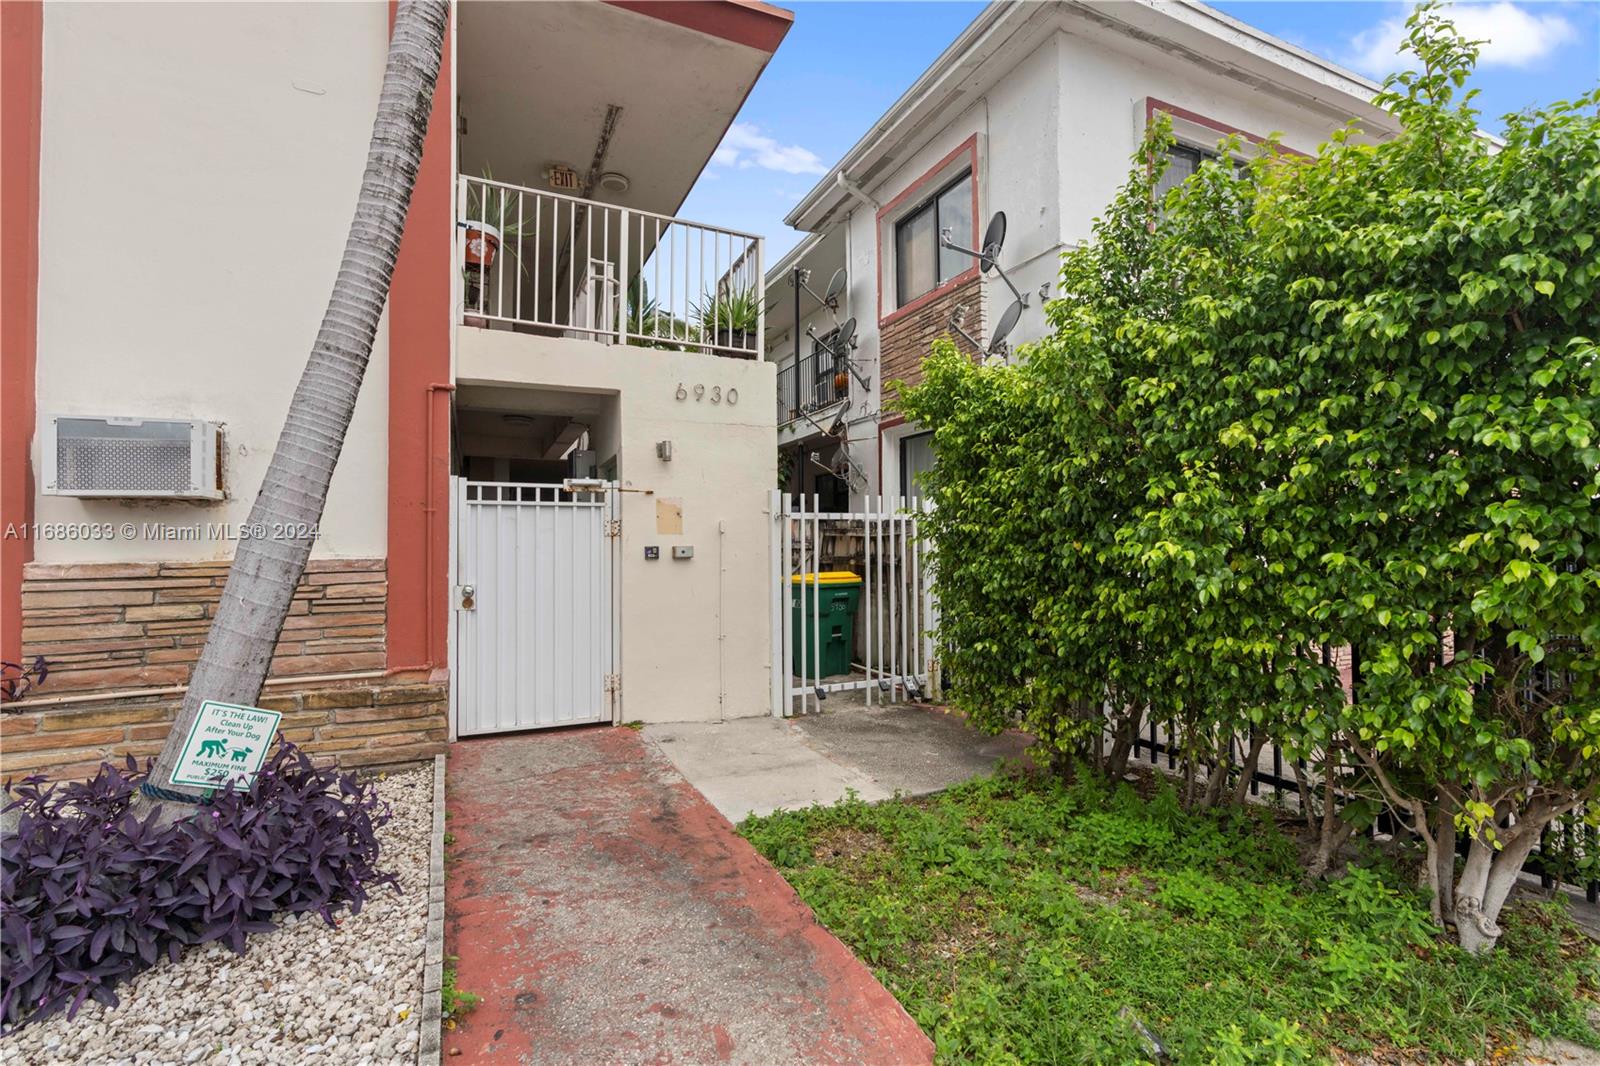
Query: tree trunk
x,y
1241,788
1307,808
1333,831
1432,863
1444,875
1127,731
1489,875
1221,765
261,582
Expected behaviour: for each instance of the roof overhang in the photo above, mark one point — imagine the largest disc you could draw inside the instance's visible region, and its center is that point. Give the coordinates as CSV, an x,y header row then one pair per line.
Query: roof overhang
x,y
1186,29
821,254
747,22
536,81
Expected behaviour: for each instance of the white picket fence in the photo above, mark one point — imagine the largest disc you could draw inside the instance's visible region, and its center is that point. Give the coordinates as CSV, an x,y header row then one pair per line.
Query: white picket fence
x,y
892,652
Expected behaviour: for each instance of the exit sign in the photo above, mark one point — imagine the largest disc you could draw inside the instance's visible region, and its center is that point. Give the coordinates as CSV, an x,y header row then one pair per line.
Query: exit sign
x,y
562,178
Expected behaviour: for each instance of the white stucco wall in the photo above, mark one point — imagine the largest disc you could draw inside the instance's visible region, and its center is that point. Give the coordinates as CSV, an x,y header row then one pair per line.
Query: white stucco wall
x,y
696,634
1017,122
199,163
1105,79
1056,130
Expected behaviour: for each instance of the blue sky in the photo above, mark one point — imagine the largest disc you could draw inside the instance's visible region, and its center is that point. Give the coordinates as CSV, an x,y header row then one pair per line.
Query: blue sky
x,y
844,63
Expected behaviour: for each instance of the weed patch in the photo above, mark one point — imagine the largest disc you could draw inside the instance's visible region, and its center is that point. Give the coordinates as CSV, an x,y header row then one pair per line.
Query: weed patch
x,y
454,1002
1029,921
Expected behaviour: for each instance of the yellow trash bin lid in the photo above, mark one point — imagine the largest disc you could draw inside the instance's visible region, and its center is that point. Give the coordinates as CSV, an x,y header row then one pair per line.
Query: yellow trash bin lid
x,y
827,577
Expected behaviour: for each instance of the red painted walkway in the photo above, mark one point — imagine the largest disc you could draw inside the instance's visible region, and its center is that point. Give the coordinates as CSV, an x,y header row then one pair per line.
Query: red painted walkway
x,y
606,913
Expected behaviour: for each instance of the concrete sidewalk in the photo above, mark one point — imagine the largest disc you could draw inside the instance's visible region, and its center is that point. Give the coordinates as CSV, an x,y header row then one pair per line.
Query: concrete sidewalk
x,y
758,765
606,913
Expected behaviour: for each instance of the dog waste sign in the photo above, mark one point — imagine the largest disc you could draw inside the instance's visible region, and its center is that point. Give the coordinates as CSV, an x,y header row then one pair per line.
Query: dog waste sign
x,y
226,743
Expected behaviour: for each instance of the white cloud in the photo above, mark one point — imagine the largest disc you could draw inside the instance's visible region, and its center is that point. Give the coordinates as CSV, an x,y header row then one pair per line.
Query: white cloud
x,y
1514,36
745,146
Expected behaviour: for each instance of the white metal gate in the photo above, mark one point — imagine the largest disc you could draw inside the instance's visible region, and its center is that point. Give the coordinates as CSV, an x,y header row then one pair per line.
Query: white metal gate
x,y
535,638
891,651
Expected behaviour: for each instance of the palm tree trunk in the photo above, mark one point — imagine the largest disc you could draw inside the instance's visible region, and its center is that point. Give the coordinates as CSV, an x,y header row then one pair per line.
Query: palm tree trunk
x,y
261,583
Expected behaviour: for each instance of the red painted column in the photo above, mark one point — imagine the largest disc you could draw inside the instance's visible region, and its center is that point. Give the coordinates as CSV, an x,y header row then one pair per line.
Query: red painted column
x,y
419,411
21,86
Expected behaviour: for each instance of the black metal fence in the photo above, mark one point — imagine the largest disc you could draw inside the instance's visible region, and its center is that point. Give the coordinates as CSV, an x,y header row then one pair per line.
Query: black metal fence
x,y
1563,847
809,384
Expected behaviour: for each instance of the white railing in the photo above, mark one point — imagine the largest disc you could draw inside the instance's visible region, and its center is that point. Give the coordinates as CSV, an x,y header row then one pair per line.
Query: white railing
x,y
890,655
559,265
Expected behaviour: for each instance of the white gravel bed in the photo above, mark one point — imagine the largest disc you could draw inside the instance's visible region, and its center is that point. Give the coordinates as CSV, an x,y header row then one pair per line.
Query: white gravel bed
x,y
305,993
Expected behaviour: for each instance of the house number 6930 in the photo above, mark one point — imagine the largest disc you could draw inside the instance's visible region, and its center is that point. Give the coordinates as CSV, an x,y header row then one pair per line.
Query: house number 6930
x,y
715,394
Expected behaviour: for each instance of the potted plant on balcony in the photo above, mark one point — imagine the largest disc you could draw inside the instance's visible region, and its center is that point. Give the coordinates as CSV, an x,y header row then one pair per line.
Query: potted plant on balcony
x,y
649,325
482,239
730,319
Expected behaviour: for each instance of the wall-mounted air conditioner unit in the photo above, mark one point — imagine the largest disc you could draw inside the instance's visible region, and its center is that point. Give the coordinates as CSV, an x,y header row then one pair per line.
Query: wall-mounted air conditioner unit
x,y
152,458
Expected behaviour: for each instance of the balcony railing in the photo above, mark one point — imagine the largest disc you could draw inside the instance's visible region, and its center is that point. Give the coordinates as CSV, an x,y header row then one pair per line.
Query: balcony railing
x,y
540,262
813,382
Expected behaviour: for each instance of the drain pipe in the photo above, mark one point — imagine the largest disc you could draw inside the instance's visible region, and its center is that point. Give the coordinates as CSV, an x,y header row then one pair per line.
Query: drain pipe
x,y
429,508
722,633
799,403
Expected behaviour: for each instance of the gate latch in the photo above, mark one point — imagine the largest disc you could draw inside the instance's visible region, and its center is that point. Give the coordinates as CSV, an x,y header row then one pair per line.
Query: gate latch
x,y
469,597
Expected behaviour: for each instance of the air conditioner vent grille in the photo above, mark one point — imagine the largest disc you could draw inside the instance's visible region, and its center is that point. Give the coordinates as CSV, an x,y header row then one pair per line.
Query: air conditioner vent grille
x,y
133,457
123,465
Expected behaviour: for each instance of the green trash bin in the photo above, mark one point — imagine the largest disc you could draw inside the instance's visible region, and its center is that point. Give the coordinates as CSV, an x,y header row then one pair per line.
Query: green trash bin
x,y
837,595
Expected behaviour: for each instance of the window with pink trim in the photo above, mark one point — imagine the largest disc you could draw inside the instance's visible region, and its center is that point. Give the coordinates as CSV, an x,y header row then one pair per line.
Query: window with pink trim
x,y
921,263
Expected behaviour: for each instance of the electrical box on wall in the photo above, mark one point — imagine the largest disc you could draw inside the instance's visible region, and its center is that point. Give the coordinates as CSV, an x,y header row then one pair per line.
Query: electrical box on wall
x,y
683,551
148,458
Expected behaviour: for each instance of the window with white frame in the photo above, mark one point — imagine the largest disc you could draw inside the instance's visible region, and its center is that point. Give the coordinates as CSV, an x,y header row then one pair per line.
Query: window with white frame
x,y
921,264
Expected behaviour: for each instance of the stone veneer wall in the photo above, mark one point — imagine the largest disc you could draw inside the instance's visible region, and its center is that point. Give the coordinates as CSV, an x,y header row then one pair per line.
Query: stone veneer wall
x,y
104,626
359,725
904,343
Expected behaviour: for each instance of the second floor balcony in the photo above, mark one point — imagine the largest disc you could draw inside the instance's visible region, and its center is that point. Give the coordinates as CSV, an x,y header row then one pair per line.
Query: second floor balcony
x,y
810,385
554,265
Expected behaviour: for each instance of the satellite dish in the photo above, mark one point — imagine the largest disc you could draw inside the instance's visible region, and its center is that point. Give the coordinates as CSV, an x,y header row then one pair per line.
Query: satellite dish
x,y
994,238
1007,323
847,333
835,289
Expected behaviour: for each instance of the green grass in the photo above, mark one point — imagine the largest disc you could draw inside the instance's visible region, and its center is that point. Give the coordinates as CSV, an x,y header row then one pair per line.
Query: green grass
x,y
1023,921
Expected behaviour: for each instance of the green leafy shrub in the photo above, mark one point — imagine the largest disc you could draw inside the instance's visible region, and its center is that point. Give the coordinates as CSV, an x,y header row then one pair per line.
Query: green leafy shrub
x,y
1350,401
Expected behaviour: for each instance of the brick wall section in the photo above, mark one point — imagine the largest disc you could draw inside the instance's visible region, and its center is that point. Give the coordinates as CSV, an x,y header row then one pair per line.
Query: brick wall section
x,y
906,342
356,726
104,626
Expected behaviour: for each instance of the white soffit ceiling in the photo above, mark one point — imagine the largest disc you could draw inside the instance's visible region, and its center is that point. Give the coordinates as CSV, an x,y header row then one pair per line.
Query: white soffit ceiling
x,y
535,80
